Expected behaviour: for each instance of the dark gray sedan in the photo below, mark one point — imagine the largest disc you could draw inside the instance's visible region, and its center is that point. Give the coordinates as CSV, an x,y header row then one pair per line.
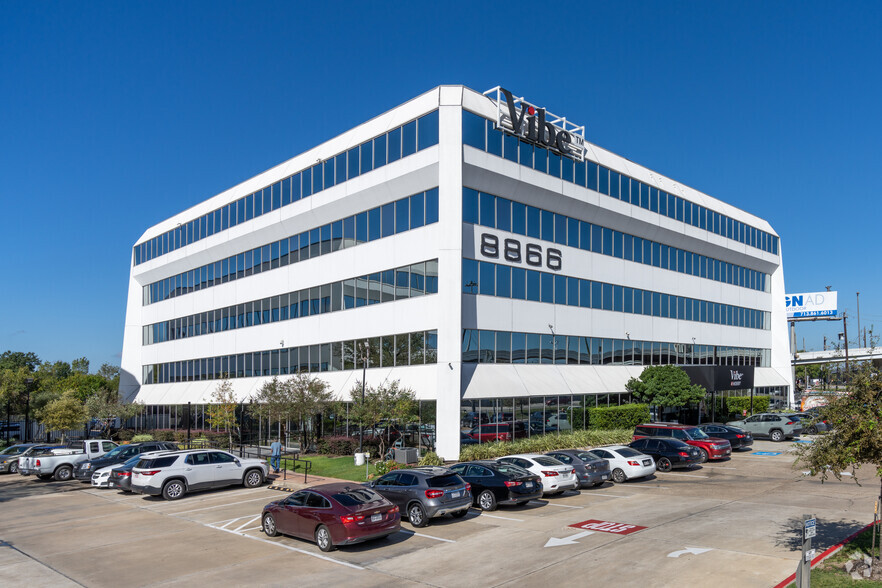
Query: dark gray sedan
x,y
425,492
591,470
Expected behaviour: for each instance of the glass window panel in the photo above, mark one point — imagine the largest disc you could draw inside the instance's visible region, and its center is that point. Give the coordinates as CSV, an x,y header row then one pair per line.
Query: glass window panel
x,y
533,348
533,222
503,281
402,215
380,151
503,214
366,154
547,287
533,285
428,130
547,225
487,279
518,283
469,276
487,210
519,218
408,139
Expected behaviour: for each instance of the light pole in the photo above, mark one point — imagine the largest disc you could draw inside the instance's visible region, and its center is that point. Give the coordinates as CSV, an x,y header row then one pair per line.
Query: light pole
x,y
28,382
364,363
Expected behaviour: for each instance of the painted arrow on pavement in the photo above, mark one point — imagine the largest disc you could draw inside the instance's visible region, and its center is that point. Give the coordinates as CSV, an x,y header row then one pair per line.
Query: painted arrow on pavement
x,y
692,550
571,540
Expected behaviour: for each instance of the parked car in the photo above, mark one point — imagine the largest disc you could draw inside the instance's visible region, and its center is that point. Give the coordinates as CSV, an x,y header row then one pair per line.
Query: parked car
x,y
560,420
668,453
174,474
423,493
710,447
466,439
811,424
332,515
498,432
59,463
540,428
626,463
83,470
495,483
738,438
557,477
9,457
473,419
591,469
776,427
121,474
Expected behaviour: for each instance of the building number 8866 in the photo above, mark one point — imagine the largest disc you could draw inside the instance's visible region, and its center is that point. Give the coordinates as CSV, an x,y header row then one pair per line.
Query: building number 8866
x,y
512,251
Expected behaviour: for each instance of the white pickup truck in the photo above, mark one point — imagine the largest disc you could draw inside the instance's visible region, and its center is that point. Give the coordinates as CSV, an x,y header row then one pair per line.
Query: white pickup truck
x,y
59,463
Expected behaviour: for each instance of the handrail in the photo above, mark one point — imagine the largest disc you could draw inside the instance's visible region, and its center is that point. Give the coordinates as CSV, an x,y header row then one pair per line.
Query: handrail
x,y
307,465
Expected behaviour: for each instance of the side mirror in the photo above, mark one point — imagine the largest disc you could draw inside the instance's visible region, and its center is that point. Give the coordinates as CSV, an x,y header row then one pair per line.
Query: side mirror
x,y
237,462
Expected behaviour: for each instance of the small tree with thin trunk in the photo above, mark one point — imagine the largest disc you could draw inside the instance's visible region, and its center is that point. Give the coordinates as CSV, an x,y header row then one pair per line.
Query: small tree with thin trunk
x,y
308,397
388,402
66,412
222,410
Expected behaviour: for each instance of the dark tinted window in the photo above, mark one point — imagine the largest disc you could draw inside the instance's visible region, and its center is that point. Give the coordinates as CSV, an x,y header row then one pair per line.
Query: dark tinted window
x,y
512,470
562,457
589,456
407,480
157,462
356,496
297,499
546,461
220,457
444,481
198,459
639,444
627,452
388,480
317,501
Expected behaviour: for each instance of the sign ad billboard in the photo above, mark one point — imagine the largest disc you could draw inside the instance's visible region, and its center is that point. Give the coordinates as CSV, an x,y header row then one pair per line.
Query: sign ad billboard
x,y
811,304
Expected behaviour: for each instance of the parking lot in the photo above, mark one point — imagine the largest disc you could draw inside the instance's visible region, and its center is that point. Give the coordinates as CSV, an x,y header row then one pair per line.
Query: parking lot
x,y
736,522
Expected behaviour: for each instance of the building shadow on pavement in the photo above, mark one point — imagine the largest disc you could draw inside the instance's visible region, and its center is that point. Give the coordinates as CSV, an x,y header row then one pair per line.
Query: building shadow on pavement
x,y
828,533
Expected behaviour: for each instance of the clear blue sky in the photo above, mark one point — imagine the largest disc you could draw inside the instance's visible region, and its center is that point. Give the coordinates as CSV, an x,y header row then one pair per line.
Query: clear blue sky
x,y
117,115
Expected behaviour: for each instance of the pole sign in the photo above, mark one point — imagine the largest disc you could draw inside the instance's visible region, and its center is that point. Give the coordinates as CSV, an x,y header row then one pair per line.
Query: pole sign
x,y
536,125
811,304
811,528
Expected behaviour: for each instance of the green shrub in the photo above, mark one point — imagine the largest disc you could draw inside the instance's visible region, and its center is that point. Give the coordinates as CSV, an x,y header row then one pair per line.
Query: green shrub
x,y
544,443
125,434
142,438
732,408
431,459
626,416
384,467
337,445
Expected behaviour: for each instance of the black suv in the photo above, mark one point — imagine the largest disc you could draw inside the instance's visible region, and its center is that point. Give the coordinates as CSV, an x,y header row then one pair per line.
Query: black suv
x,y
425,492
118,455
668,453
495,483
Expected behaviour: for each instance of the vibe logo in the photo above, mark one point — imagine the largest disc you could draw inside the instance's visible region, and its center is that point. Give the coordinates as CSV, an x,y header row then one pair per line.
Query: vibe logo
x,y
530,124
735,377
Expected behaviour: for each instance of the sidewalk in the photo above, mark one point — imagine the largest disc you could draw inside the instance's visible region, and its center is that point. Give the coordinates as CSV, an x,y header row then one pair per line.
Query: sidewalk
x,y
295,481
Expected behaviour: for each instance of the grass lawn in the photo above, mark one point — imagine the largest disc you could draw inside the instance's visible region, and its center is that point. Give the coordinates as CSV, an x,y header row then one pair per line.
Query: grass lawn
x,y
831,573
332,467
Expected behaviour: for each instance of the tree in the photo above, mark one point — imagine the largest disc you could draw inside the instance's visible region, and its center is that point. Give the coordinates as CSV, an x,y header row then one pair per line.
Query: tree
x,y
389,402
111,374
67,412
107,405
222,410
665,385
19,359
271,400
80,365
855,438
309,397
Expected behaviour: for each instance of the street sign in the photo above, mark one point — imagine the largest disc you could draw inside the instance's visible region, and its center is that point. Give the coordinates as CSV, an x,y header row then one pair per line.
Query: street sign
x,y
811,529
608,527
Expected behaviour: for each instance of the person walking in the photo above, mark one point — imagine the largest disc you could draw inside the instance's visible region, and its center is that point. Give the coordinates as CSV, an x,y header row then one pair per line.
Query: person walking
x,y
275,454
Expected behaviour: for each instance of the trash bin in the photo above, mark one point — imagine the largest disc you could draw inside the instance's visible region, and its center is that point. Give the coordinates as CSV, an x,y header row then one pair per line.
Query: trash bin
x,y
407,455
359,459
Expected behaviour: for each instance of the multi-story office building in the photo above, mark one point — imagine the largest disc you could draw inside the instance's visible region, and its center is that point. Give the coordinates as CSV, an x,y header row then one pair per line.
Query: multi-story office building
x,y
483,253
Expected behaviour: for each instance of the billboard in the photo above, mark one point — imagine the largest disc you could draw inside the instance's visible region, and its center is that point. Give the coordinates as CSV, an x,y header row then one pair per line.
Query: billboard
x,y
811,304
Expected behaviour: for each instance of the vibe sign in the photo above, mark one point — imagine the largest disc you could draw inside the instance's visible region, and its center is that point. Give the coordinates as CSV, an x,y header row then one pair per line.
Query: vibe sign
x,y
538,126
608,527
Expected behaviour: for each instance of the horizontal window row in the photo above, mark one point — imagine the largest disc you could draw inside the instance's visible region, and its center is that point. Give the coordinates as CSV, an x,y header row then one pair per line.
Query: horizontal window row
x,y
405,140
395,284
417,348
480,133
506,215
490,279
479,346
389,219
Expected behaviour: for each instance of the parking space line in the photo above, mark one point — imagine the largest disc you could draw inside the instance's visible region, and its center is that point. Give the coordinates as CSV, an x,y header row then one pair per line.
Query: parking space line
x,y
483,514
250,529
426,536
716,467
174,514
610,495
290,548
248,522
686,475
553,504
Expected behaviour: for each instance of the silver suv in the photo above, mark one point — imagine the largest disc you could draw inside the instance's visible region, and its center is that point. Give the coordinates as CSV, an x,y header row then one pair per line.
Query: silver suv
x,y
425,492
775,426
172,474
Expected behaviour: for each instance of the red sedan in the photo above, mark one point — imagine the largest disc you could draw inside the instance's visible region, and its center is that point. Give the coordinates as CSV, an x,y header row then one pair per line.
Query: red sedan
x,y
332,515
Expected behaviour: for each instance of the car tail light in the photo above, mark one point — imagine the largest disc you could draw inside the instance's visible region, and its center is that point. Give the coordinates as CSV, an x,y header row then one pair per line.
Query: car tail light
x,y
393,510
683,454
573,471
434,493
511,483
739,436
38,463
549,474
468,487
150,472
124,474
790,423
351,518
631,462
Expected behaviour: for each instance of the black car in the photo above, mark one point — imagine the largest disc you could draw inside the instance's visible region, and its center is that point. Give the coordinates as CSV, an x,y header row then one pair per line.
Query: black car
x,y
121,477
668,453
495,483
83,470
591,469
466,439
738,438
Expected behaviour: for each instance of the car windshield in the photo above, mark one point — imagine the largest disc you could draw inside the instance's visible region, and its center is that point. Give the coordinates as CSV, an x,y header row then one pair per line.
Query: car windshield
x,y
14,450
356,496
588,456
512,470
115,451
697,433
547,461
628,452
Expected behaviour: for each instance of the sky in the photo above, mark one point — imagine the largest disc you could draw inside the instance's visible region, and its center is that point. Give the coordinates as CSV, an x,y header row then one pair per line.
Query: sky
x,y
117,115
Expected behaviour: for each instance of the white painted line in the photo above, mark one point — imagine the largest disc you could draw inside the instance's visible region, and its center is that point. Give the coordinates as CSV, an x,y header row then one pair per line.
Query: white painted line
x,y
716,467
251,520
844,473
610,495
427,536
174,514
250,529
636,486
553,504
495,517
686,475
303,551
228,521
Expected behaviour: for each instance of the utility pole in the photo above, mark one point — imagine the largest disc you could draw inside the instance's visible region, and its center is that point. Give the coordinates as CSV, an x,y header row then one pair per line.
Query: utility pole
x,y
825,342
845,335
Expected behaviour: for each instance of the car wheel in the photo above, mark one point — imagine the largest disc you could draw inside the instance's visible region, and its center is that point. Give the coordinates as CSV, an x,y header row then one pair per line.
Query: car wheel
x,y
417,515
776,436
323,539
269,525
63,473
487,501
460,513
704,456
13,467
811,431
173,490
253,479
664,465
618,476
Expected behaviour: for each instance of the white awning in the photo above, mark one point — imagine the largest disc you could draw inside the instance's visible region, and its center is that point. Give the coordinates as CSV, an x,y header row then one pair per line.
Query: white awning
x,y
500,381
768,377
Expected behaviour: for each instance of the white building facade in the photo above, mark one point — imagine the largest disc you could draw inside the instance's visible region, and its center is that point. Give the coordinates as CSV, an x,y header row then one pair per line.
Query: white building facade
x,y
501,277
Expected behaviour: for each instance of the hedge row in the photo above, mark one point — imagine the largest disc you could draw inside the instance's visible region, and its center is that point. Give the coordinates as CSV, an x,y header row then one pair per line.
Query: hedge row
x,y
544,443
626,416
732,408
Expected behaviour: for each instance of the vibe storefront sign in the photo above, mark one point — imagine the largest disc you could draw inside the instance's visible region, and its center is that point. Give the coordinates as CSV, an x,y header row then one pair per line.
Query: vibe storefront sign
x,y
538,126
811,304
608,527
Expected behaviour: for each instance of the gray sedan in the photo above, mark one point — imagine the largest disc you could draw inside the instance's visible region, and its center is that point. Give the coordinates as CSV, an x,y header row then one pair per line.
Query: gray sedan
x,y
591,470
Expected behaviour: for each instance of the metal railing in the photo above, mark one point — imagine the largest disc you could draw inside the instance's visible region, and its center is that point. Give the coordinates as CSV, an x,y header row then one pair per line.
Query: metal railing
x,y
293,457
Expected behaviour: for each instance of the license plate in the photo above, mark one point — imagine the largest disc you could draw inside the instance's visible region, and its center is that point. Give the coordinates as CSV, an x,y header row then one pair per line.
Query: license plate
x,y
604,477
646,462
456,494
376,518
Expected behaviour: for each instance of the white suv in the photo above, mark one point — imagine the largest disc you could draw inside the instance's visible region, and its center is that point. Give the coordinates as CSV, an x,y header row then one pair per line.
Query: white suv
x,y
174,473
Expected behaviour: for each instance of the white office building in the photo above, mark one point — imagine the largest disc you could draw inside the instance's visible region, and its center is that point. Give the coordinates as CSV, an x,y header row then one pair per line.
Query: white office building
x,y
482,251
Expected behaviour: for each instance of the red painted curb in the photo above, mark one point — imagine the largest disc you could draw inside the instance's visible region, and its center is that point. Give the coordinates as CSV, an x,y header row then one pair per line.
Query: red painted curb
x,y
827,553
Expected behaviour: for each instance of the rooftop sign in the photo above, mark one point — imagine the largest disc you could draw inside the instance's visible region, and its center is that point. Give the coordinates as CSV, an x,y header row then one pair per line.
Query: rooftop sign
x,y
536,125
811,304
